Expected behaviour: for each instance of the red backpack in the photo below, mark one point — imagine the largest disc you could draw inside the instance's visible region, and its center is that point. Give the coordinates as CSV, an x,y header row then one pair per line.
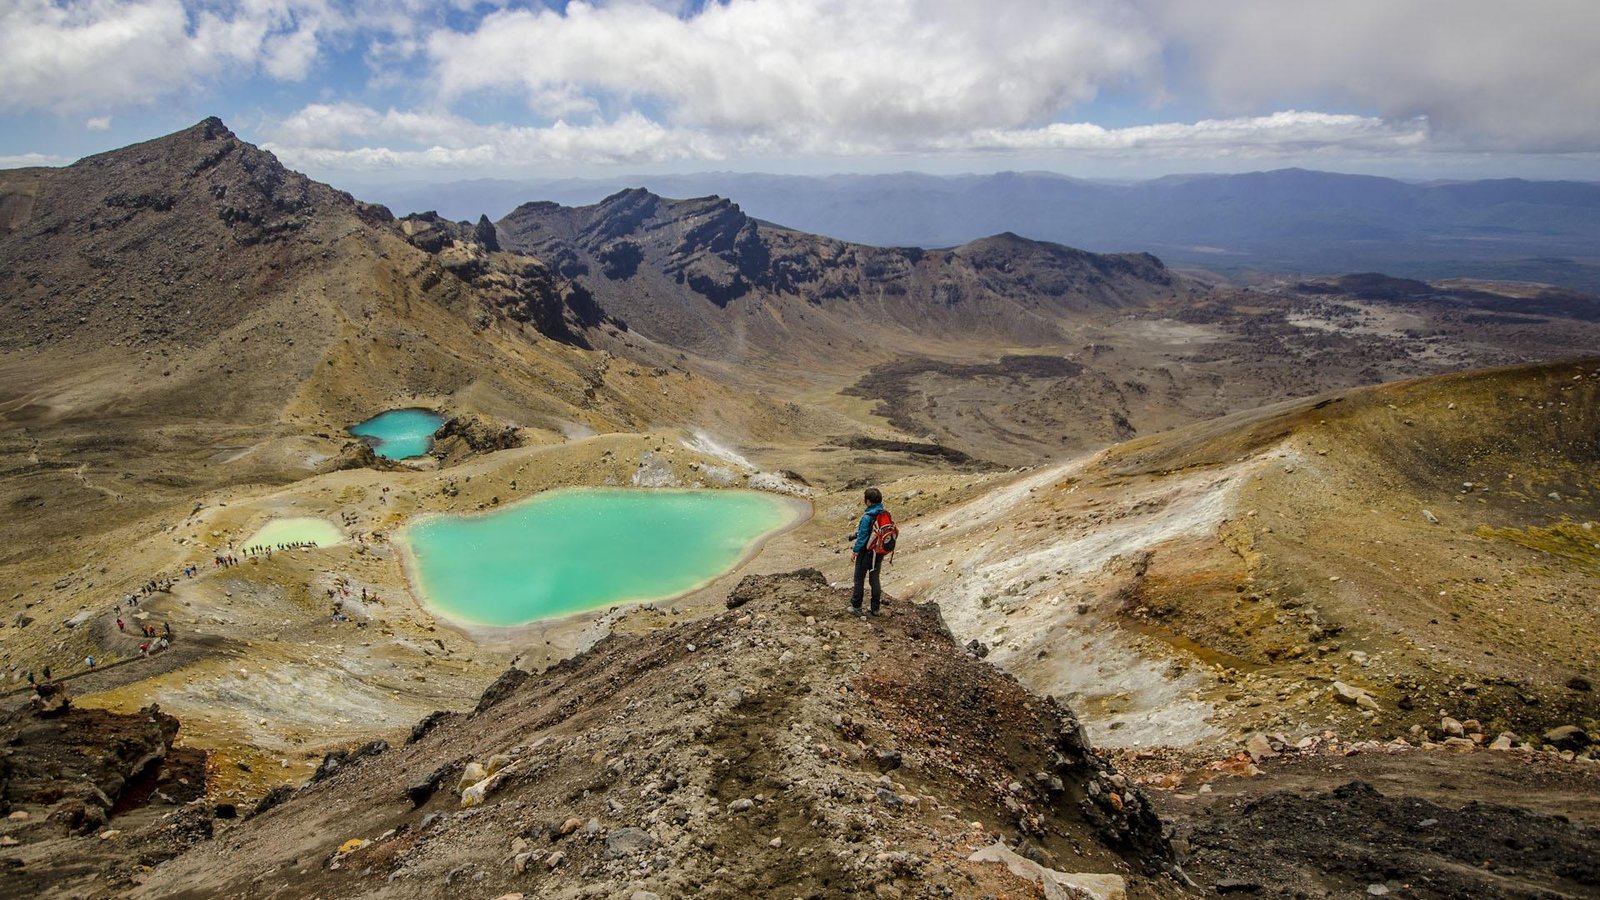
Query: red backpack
x,y
884,534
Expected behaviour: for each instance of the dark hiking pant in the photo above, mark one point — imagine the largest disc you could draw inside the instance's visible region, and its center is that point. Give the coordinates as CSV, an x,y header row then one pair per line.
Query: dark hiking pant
x,y
867,564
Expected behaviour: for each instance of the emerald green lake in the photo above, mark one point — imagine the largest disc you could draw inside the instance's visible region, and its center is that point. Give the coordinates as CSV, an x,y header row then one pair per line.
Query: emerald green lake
x,y
400,433
569,551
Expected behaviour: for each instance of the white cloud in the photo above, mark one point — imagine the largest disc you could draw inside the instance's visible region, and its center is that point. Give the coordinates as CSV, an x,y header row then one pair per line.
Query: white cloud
x,y
807,72
98,54
1488,74
1279,134
98,123
22,160
664,80
354,137
828,76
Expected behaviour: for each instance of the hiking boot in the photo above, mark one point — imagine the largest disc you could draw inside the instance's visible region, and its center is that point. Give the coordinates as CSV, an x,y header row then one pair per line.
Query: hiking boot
x,y
873,611
855,610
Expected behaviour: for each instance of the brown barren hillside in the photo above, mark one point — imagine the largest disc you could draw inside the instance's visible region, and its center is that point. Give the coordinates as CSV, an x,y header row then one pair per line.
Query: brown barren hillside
x,y
1431,543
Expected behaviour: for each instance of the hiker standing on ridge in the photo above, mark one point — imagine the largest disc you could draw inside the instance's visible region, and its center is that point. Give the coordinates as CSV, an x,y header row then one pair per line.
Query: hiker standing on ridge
x,y
874,539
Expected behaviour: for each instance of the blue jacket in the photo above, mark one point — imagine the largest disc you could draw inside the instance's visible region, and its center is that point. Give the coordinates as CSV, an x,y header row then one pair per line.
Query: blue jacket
x,y
864,530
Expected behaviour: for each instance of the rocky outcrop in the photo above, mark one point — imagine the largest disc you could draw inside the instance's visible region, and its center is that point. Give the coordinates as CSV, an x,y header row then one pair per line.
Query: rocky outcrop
x,y
463,436
517,287
336,760
357,455
77,764
782,748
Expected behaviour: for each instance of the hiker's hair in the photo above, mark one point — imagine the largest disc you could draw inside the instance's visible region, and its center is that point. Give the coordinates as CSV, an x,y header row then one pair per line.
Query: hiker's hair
x,y
874,495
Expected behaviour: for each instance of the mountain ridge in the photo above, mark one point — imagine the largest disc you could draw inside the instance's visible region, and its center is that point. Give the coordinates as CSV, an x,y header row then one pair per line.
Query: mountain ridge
x,y
1293,220
669,266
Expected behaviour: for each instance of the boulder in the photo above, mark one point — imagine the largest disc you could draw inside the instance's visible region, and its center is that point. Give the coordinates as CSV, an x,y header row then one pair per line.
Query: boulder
x,y
475,794
427,723
1567,737
503,687
274,798
471,775
1056,885
624,841
420,791
1354,696
1259,747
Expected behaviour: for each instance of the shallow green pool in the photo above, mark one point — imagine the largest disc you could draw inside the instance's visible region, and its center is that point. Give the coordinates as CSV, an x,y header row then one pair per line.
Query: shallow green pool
x,y
297,530
573,550
400,433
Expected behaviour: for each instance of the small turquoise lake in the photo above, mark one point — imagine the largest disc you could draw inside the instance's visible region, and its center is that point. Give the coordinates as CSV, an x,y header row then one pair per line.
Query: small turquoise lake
x,y
400,433
580,549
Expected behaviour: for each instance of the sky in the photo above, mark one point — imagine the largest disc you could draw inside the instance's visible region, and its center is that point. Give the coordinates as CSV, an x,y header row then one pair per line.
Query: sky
x,y
353,91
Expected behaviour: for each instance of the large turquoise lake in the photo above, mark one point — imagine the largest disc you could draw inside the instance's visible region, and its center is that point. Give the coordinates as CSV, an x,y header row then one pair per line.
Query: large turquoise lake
x,y
400,433
573,550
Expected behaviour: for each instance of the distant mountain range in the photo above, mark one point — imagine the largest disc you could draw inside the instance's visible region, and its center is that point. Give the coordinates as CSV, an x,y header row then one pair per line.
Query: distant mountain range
x,y
1290,220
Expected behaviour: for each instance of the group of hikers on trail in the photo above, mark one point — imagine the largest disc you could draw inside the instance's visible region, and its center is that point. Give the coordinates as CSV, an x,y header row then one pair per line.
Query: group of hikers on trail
x,y
48,695
156,639
872,541
266,549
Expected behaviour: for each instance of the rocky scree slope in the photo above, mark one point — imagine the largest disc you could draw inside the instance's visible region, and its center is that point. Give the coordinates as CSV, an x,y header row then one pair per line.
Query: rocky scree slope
x,y
701,274
781,749
1429,545
1433,542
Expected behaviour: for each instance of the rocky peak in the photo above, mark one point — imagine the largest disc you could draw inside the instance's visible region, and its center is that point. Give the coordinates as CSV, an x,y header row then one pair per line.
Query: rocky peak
x,y
123,244
619,215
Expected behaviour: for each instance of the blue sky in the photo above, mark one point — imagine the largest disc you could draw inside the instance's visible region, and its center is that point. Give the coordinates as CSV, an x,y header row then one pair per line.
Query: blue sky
x,y
354,91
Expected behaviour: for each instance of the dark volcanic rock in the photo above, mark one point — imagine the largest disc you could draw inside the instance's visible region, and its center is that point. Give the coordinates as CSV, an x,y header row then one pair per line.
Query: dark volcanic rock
x,y
461,436
503,687
752,587
861,442
484,234
334,761
427,723
274,798
87,757
1336,843
1549,301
